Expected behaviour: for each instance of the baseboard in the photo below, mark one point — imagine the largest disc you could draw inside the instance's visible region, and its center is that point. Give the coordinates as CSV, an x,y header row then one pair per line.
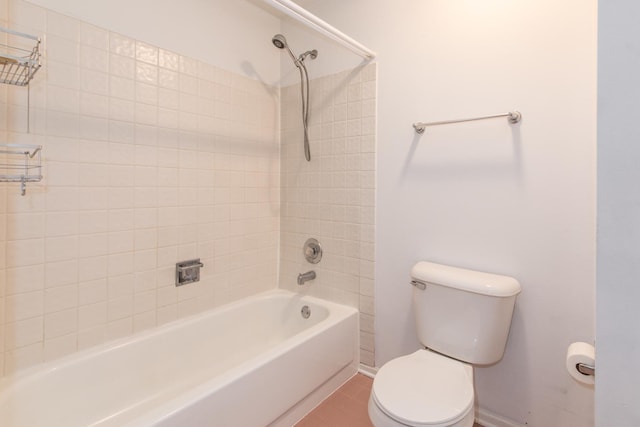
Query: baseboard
x,y
369,371
490,419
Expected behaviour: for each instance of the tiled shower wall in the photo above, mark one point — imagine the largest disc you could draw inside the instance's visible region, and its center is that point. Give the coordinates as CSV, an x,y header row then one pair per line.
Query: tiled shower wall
x,y
332,197
150,158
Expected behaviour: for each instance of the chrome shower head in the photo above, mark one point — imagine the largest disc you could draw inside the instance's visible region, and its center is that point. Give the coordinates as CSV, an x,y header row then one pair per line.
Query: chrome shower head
x,y
312,53
279,41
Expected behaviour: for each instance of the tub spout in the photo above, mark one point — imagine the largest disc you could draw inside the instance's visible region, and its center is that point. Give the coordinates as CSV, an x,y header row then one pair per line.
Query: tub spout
x,y
305,277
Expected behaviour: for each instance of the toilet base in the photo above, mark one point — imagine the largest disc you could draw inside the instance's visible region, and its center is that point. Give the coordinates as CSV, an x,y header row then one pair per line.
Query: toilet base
x,y
380,419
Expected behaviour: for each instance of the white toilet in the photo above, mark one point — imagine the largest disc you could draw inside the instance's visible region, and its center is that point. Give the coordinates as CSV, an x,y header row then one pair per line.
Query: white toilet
x,y
463,318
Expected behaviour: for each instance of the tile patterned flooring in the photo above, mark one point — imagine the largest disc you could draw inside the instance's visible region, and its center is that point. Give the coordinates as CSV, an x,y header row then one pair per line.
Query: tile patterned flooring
x,y
346,407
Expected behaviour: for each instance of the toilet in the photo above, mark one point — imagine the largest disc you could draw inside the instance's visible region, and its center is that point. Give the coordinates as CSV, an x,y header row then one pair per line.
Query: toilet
x,y
462,319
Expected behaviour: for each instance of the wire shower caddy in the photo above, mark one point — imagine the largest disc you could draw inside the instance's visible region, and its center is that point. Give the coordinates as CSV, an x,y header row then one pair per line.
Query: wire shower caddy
x,y
19,57
21,163
19,61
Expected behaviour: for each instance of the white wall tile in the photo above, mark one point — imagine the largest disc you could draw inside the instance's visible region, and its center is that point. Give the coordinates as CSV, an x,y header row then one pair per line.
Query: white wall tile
x,y
22,332
93,58
122,45
60,346
92,315
94,105
23,357
60,123
169,60
94,36
146,73
92,268
122,88
60,323
24,279
122,66
92,291
60,273
91,337
147,53
327,197
90,222
62,50
94,81
25,226
91,245
23,306
60,298
120,132
24,252
61,248
121,241
145,264
62,26
138,141
61,224
27,16
120,264
144,321
63,75
120,308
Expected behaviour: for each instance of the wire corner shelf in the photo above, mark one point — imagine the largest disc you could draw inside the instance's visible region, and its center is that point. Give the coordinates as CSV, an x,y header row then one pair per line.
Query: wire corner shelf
x,y
19,57
21,163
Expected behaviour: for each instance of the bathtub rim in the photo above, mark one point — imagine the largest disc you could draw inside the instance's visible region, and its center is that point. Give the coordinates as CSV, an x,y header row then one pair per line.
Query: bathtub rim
x,y
158,414
32,373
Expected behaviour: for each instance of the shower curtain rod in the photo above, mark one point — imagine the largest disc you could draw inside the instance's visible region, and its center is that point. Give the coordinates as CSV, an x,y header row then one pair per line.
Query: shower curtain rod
x,y
312,21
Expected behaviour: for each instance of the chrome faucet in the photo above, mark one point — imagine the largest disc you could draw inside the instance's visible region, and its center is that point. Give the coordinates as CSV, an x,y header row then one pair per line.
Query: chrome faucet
x,y
305,277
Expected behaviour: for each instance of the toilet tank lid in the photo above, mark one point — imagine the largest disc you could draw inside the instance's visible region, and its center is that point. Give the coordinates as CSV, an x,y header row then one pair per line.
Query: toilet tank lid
x,y
467,280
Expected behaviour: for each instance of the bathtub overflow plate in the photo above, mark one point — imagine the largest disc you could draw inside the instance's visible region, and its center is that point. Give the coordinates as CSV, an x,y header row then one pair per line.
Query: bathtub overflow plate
x,y
305,312
312,251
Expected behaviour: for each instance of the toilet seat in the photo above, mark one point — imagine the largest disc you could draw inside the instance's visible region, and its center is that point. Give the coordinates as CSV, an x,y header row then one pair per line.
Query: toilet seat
x,y
424,389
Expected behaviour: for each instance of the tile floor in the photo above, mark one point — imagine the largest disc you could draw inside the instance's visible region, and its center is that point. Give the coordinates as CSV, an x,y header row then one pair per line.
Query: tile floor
x,y
346,407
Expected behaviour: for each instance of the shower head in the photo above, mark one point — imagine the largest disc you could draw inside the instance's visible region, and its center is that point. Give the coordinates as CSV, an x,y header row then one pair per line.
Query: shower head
x,y
313,53
279,41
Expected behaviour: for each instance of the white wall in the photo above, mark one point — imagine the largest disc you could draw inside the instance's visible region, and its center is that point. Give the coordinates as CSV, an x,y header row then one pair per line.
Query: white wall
x,y
514,200
234,35
618,293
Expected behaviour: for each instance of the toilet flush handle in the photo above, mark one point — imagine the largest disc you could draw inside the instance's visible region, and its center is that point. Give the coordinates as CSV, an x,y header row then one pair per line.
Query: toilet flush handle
x,y
420,285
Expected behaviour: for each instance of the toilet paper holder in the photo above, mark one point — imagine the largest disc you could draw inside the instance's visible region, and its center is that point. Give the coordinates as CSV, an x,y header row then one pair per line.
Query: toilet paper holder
x,y
585,369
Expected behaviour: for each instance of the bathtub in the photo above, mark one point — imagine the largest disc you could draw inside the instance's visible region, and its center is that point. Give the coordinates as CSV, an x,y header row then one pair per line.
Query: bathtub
x,y
255,362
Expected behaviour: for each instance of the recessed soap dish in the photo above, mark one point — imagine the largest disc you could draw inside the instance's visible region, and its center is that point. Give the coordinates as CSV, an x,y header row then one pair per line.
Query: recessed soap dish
x,y
188,271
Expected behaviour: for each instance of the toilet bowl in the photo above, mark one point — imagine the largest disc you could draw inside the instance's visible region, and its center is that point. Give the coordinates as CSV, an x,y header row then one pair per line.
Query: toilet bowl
x,y
423,389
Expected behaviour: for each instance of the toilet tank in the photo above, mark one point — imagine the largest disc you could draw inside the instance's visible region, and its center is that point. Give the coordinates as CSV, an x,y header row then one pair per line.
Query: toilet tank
x,y
461,313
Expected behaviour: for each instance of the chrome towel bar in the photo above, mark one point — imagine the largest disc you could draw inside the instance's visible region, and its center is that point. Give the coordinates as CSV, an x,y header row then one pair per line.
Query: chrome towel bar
x,y
513,117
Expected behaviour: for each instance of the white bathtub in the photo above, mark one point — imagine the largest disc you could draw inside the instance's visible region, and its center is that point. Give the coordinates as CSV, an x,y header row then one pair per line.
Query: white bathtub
x,y
255,362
